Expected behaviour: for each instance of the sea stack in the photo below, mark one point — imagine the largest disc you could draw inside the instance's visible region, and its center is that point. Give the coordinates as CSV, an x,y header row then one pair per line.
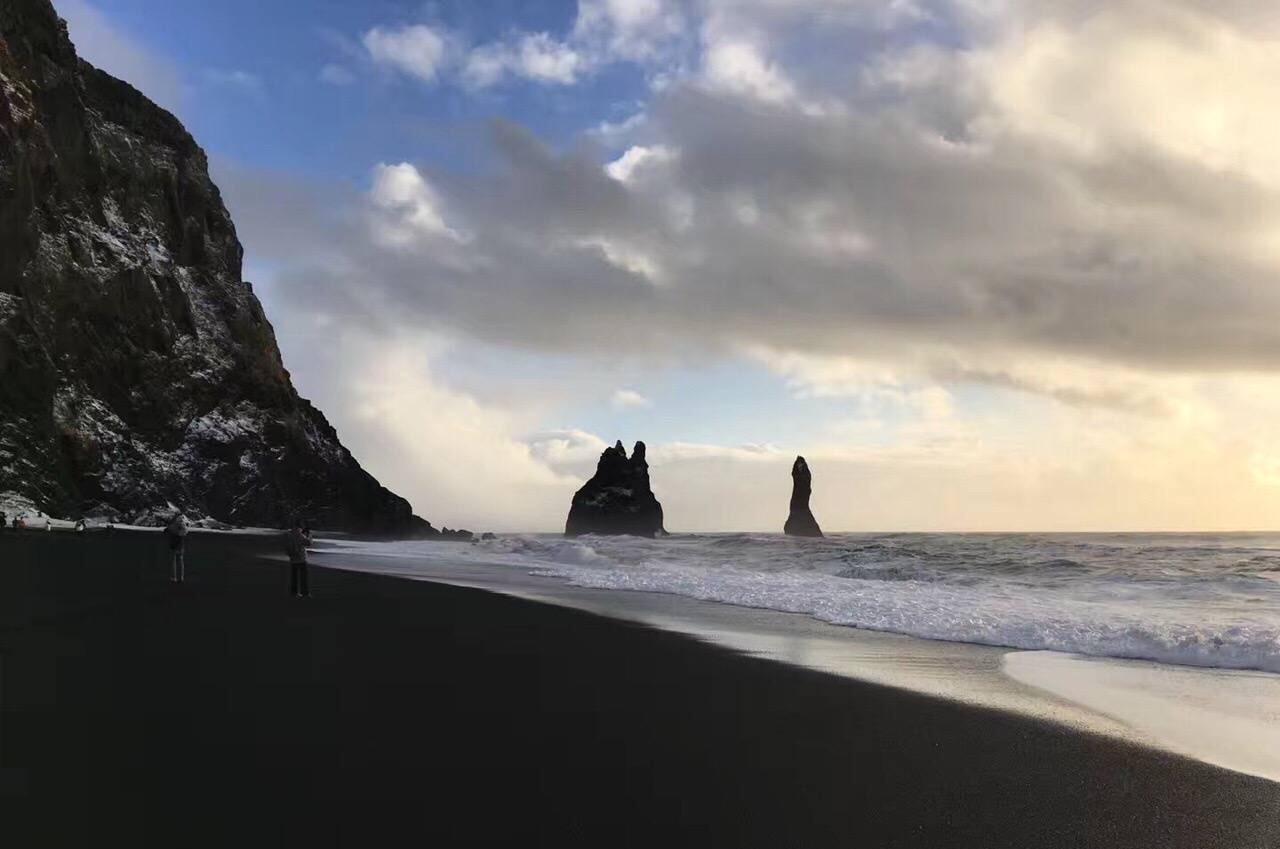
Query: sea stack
x,y
617,500
801,522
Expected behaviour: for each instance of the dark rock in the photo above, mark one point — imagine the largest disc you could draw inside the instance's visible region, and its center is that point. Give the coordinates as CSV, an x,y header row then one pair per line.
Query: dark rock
x,y
617,500
800,523
465,536
137,369
487,536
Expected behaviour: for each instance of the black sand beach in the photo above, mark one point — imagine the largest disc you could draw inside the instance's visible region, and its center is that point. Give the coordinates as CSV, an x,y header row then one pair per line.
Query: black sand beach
x,y
393,713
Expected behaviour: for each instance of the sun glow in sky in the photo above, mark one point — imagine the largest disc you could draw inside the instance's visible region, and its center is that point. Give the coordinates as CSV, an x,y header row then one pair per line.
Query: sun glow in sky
x,y
987,265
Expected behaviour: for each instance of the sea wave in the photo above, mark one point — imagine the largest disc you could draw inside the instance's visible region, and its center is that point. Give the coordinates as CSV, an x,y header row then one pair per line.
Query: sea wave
x,y
1200,600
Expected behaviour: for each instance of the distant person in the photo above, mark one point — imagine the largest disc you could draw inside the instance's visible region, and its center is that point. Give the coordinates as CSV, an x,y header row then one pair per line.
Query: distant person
x,y
295,545
4,520
20,522
177,534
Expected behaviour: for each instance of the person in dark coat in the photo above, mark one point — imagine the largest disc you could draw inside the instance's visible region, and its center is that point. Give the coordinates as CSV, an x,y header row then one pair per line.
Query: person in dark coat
x,y
295,545
177,534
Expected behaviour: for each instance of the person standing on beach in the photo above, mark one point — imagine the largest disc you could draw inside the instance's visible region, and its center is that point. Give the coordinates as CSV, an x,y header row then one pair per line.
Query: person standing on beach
x,y
177,534
295,545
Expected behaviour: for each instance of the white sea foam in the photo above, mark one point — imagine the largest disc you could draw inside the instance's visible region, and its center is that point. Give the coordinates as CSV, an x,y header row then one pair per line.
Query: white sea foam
x,y
1226,717
1200,600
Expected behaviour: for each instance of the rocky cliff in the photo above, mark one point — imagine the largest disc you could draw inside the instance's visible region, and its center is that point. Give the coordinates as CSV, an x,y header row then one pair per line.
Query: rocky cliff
x,y
800,521
617,499
137,369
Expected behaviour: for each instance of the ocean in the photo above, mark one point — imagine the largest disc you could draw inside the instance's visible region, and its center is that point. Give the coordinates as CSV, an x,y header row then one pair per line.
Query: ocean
x,y
1210,600
1171,640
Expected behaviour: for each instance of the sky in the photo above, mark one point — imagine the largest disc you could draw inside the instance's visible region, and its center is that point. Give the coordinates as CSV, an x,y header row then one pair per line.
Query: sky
x,y
988,265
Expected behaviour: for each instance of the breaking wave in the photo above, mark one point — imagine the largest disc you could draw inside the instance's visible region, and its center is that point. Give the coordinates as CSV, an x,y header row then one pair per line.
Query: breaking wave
x,y
1196,599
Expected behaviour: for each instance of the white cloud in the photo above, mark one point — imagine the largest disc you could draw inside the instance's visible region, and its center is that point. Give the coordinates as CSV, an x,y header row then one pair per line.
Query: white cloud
x,y
1165,77
605,32
454,458
874,384
670,453
902,376
247,82
635,158
533,56
543,59
570,451
335,74
486,65
629,399
408,208
635,30
626,257
739,66
416,50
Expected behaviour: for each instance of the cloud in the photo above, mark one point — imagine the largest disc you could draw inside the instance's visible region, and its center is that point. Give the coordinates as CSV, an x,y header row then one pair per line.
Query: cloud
x,y
103,44
533,56
633,159
740,67
244,81
462,462
651,34
904,379
633,30
428,54
457,460
335,74
1028,249
793,229
406,209
629,399
670,453
570,451
415,50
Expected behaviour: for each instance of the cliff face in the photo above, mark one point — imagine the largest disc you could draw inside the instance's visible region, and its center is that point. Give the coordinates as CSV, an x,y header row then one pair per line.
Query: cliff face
x,y
617,499
137,368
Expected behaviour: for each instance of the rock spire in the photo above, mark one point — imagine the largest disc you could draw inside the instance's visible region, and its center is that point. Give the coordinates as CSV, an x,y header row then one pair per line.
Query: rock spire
x,y
800,523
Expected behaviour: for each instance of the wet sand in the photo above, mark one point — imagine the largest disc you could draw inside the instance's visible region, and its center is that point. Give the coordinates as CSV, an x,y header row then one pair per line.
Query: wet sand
x,y
385,712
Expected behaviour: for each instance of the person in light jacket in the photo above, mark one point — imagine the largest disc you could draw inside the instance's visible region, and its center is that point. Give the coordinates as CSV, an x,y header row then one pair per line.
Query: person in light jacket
x,y
295,545
176,532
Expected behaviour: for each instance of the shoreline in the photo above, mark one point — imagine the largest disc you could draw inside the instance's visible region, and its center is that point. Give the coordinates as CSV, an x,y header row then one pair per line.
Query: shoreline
x,y
1179,719
387,711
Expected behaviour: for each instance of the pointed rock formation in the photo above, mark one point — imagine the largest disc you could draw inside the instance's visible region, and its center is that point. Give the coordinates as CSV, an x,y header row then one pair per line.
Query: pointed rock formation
x,y
801,522
617,500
